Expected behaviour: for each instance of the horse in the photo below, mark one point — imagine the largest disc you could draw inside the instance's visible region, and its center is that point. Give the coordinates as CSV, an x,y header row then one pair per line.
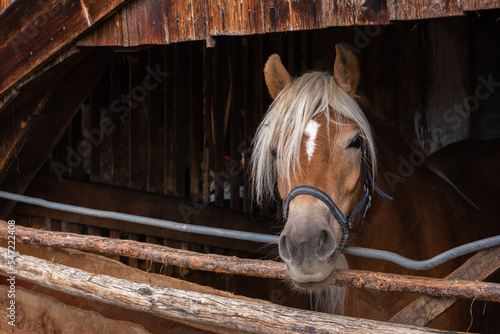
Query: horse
x,y
469,165
345,178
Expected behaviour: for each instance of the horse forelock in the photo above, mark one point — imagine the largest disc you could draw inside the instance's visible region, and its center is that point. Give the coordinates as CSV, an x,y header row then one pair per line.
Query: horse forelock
x,y
307,97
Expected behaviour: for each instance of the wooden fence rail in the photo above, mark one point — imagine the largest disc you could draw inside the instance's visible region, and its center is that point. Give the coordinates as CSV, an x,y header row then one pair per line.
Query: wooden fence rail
x,y
191,306
257,268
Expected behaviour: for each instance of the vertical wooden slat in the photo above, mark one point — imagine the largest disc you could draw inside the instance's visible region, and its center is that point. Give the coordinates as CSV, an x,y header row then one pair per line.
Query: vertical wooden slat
x,y
169,91
119,113
151,267
132,262
339,12
114,234
75,228
138,122
93,230
181,116
195,117
155,126
422,9
220,70
37,222
276,15
55,225
145,23
371,12
249,65
75,139
184,20
93,135
236,129
208,97
307,15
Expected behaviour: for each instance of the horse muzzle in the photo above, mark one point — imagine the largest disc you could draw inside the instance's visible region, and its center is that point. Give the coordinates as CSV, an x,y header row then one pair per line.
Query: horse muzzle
x,y
308,249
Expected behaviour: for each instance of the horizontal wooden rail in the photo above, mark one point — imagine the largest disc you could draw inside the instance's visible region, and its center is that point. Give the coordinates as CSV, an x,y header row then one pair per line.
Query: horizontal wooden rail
x,y
256,268
191,306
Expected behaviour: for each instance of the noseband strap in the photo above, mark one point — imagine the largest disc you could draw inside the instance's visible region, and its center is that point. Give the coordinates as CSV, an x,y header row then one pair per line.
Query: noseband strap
x,y
346,222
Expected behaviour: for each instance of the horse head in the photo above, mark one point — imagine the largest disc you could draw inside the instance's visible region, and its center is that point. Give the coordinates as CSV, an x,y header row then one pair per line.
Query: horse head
x,y
314,143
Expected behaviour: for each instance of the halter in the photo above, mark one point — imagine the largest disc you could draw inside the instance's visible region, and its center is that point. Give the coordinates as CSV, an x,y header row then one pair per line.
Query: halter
x,y
346,222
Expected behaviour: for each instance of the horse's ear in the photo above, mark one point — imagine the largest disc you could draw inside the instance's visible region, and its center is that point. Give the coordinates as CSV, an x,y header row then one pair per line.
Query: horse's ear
x,y
276,75
346,69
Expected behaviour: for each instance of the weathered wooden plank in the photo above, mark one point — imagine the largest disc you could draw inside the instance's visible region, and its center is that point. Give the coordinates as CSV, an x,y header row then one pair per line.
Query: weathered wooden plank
x,y
148,205
235,17
186,20
36,313
57,112
4,4
470,5
99,264
276,14
339,13
33,33
139,23
371,12
109,33
426,308
191,306
144,22
422,9
455,287
307,15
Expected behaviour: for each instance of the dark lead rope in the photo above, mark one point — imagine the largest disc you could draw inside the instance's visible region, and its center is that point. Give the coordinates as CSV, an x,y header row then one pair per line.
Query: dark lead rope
x,y
346,222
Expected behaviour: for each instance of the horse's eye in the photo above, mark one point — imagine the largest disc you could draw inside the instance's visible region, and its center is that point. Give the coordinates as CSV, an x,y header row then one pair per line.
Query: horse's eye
x,y
357,142
274,153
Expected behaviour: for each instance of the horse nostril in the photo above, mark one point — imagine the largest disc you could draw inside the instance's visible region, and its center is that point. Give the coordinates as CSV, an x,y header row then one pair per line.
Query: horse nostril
x,y
284,250
327,244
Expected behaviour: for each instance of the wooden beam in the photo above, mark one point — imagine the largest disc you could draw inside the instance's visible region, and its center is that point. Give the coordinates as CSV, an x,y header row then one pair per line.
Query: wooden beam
x,y
47,125
4,4
191,306
102,197
35,32
255,268
98,264
426,308
471,5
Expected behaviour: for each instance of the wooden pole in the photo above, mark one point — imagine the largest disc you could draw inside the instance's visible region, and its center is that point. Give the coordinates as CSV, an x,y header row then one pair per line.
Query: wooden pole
x,y
426,308
191,306
256,268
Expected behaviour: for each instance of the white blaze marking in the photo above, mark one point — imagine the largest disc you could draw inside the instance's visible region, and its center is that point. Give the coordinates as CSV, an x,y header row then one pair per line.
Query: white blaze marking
x,y
311,131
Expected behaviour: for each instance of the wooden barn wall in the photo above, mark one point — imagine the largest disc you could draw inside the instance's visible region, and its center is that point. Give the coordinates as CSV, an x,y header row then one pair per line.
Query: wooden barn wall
x,y
177,121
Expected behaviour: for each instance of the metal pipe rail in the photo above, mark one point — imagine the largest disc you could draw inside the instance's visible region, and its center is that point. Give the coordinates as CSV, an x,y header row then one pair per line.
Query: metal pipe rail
x,y
258,237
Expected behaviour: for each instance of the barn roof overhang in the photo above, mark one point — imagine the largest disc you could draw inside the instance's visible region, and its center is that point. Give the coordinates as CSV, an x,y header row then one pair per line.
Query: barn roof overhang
x,y
33,33
50,56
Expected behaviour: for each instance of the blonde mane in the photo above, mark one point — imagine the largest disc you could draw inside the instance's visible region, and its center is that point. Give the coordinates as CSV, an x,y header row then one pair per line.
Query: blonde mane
x,y
306,97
